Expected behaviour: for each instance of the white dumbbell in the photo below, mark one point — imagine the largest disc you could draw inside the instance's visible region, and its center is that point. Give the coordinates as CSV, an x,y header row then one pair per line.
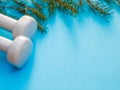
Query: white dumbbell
x,y
26,25
18,51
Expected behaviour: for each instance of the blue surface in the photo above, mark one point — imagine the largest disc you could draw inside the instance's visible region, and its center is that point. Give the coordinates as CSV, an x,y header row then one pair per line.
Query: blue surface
x,y
82,54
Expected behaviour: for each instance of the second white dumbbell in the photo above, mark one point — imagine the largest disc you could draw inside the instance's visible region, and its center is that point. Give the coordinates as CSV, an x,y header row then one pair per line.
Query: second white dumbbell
x,y
26,25
18,50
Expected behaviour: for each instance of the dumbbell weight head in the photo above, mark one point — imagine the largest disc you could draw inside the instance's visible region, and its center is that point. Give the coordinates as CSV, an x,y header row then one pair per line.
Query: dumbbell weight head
x,y
18,50
26,26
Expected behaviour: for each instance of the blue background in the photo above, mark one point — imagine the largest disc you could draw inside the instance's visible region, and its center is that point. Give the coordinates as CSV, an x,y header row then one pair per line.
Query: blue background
x,y
75,54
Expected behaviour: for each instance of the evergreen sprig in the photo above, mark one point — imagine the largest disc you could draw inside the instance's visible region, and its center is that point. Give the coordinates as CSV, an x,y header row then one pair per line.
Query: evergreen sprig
x,y
42,10
100,8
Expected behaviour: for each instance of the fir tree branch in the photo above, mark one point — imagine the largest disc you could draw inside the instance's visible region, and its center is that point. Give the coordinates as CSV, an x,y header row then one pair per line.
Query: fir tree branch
x,y
68,6
35,13
42,10
51,6
100,8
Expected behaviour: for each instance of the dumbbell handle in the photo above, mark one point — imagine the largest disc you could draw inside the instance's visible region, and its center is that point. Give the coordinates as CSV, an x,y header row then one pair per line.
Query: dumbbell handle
x,y
7,22
4,44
